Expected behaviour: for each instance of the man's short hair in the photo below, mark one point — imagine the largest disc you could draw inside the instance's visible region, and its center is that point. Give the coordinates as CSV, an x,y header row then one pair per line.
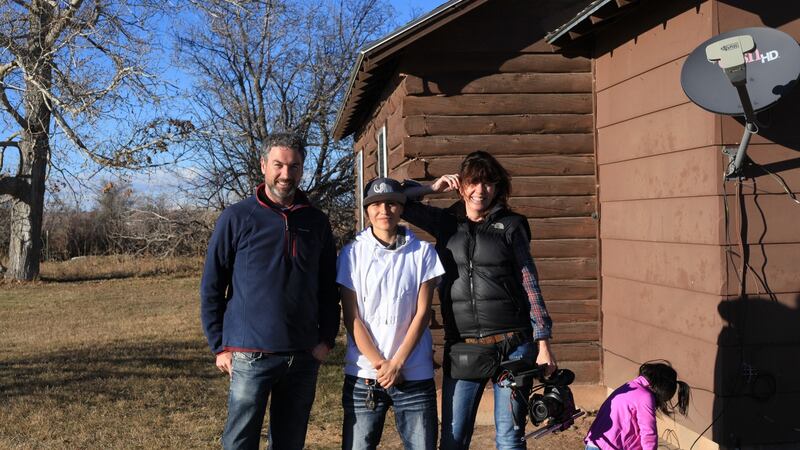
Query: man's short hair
x,y
284,139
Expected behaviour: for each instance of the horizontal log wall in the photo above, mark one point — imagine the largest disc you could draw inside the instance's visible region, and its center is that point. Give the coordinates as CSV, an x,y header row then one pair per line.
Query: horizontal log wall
x,y
488,81
387,113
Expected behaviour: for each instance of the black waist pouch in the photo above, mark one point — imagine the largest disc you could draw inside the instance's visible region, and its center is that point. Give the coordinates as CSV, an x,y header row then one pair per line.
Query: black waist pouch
x,y
473,361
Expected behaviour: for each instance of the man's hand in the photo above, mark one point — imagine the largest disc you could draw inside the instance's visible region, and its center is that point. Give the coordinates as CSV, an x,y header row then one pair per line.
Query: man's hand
x,y
546,357
320,352
446,183
225,362
389,373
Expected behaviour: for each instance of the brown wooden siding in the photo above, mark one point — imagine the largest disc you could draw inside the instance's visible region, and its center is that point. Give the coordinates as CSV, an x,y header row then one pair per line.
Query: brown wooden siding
x,y
670,268
521,165
474,85
657,168
654,134
642,43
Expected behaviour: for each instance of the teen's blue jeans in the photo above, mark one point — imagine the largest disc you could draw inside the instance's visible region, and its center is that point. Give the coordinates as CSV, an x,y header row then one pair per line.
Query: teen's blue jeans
x,y
291,380
460,400
414,404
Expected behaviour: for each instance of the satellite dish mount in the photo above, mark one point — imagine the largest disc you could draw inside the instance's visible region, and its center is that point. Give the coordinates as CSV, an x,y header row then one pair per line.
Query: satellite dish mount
x,y
729,54
741,73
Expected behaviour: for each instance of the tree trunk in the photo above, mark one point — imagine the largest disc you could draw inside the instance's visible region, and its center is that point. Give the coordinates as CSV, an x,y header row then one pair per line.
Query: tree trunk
x,y
27,204
25,246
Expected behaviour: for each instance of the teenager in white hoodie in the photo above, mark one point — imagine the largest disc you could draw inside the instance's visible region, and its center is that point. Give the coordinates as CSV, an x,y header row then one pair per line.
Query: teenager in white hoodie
x,y
388,277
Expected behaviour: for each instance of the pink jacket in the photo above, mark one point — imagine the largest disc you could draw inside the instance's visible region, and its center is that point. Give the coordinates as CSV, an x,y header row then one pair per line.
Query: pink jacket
x,y
626,420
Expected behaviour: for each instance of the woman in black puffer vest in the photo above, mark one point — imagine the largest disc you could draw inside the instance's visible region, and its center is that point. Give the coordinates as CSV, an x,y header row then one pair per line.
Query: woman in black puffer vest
x,y
490,297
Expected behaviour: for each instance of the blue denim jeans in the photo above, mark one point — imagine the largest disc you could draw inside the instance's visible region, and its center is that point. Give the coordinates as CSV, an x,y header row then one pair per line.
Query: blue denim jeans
x,y
414,404
460,400
291,380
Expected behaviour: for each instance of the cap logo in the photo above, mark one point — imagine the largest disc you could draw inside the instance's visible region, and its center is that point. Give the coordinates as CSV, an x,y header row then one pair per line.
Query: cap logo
x,y
380,188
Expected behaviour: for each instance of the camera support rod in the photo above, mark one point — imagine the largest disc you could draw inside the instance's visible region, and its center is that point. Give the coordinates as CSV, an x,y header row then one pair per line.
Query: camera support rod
x,y
553,428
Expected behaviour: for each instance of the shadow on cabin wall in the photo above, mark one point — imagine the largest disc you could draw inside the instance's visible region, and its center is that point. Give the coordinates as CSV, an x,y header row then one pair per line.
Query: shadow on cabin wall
x,y
643,19
651,14
771,14
757,373
757,368
778,124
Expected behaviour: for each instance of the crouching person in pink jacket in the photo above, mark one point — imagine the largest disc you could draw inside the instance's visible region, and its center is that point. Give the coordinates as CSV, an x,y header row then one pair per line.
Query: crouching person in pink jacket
x,y
627,419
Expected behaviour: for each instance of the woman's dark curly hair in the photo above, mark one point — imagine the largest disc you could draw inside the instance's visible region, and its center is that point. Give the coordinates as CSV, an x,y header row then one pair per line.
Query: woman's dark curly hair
x,y
482,167
664,382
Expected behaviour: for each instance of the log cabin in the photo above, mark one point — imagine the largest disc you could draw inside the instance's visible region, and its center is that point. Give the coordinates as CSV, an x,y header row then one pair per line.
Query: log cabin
x,y
644,249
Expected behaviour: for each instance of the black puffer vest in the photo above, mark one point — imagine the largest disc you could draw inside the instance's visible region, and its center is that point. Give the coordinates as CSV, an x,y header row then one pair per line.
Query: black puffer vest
x,y
486,297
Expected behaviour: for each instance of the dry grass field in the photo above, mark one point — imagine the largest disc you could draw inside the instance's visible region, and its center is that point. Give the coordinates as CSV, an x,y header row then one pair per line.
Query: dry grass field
x,y
93,268
121,362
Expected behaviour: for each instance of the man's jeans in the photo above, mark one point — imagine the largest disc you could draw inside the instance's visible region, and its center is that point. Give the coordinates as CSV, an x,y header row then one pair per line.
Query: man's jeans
x,y
460,400
291,379
414,404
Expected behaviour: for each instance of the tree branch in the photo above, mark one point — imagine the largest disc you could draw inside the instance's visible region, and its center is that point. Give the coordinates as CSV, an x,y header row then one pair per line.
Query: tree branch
x,y
7,42
62,22
19,118
77,142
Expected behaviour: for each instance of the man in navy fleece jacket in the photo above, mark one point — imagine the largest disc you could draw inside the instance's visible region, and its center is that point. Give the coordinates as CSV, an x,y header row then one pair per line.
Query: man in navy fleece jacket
x,y
269,302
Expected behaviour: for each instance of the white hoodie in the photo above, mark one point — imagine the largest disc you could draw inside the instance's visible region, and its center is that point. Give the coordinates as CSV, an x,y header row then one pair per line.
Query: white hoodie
x,y
386,283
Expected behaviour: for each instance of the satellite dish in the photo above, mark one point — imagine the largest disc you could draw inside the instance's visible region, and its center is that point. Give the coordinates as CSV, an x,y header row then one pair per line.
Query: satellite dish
x,y
740,73
772,68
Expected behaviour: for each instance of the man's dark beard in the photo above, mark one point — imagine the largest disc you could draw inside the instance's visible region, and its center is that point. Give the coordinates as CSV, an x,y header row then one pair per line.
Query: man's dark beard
x,y
277,193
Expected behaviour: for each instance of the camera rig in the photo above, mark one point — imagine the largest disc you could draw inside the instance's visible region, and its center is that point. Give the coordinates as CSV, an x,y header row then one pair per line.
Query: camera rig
x,y
550,401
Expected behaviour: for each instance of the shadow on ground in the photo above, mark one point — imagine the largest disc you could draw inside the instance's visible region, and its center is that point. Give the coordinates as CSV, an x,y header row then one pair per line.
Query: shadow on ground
x,y
91,370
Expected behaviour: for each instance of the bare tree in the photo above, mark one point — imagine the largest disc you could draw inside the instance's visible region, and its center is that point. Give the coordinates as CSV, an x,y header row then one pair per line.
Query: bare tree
x,y
269,65
67,69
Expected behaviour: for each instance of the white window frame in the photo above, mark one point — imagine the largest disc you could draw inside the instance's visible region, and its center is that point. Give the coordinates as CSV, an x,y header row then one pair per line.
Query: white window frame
x,y
360,184
382,153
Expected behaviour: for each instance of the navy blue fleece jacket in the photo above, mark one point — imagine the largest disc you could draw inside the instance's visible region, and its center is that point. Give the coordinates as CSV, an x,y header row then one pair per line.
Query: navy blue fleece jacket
x,y
269,282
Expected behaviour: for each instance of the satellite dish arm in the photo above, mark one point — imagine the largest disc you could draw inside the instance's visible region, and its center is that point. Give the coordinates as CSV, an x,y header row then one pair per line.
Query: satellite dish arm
x,y
747,105
729,55
750,128
735,165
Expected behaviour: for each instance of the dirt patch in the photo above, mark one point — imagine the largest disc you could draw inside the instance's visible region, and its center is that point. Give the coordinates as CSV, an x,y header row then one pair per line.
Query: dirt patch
x,y
569,439
483,437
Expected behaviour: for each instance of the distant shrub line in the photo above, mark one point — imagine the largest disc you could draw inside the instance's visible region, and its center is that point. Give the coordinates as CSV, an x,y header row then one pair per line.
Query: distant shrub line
x,y
120,224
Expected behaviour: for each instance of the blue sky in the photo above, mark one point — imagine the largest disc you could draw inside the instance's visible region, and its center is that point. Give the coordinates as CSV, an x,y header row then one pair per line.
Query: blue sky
x,y
412,8
165,180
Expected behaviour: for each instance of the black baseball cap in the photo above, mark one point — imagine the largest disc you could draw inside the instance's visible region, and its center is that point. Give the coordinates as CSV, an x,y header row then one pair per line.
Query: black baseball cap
x,y
384,190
